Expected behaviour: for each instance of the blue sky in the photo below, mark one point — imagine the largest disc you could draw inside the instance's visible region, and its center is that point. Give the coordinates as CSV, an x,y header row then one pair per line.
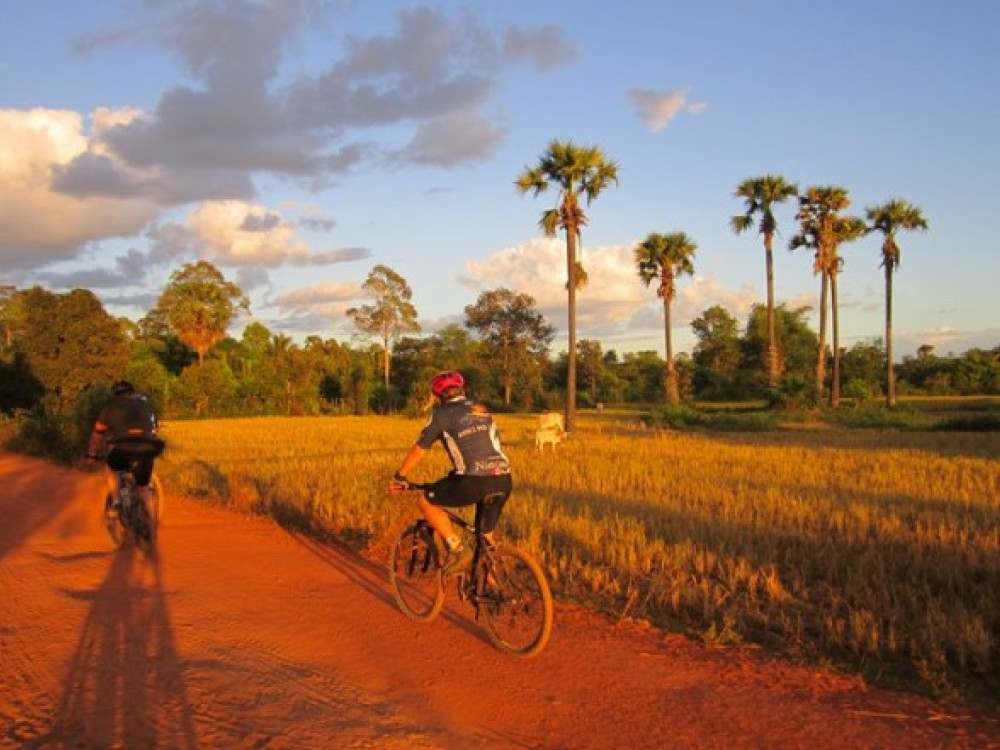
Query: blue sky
x,y
296,144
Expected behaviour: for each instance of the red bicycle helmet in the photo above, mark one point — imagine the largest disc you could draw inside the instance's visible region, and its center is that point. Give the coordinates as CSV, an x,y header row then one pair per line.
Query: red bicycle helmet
x,y
445,380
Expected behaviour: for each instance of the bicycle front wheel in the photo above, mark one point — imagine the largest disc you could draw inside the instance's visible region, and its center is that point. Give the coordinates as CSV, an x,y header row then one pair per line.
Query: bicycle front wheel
x,y
415,574
516,602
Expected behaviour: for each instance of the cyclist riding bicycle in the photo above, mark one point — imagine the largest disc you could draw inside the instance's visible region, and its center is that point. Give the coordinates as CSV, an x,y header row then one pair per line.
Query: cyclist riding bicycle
x,y
128,426
469,435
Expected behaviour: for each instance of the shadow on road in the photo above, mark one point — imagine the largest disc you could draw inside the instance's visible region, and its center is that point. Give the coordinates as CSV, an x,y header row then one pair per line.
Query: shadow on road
x,y
22,479
125,686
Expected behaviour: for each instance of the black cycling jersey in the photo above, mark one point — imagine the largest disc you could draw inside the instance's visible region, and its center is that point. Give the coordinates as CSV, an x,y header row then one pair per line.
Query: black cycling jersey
x,y
469,435
126,417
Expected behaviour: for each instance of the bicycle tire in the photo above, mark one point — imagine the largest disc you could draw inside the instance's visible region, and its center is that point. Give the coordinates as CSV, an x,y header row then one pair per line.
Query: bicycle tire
x,y
415,574
143,526
515,602
115,527
157,498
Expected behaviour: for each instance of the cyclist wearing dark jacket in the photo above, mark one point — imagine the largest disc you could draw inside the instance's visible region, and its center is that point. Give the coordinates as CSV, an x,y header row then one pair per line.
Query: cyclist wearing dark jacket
x,y
469,435
128,426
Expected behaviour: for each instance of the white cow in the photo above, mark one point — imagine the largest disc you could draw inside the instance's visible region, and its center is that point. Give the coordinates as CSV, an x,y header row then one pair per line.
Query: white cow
x,y
551,430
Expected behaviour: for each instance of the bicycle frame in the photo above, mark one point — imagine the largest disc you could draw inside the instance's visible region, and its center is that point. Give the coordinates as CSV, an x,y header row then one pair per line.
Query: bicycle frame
x,y
468,588
505,585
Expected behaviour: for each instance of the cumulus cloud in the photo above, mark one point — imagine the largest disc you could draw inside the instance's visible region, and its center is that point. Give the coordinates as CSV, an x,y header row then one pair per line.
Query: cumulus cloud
x,y
615,303
426,80
39,224
455,138
311,297
233,233
657,108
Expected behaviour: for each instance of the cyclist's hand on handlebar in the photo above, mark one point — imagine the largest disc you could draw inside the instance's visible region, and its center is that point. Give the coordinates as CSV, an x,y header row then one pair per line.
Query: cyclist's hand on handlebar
x,y
398,483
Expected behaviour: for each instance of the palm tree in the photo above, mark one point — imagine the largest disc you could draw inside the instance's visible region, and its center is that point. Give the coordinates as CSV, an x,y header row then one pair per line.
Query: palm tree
x,y
760,195
575,171
889,218
664,258
845,229
819,223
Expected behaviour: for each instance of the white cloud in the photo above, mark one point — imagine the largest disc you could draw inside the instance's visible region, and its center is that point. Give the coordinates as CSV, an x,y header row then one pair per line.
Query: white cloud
x,y
615,303
657,108
234,233
38,223
317,297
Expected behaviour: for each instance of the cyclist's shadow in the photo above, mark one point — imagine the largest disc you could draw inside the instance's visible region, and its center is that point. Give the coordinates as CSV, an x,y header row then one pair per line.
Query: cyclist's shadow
x,y
125,686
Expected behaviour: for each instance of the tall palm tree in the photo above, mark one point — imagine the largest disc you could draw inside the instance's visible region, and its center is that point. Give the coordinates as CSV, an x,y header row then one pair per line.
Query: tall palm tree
x,y
819,219
664,257
575,171
845,229
889,219
760,195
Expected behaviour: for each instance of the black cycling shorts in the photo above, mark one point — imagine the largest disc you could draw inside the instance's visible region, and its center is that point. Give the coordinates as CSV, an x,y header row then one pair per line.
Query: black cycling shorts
x,y
461,490
120,459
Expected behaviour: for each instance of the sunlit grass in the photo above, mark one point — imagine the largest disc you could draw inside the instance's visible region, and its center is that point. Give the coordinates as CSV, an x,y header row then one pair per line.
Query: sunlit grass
x,y
873,548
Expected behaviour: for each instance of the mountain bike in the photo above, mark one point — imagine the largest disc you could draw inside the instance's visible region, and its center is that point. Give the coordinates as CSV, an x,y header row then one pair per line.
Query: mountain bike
x,y
135,517
505,586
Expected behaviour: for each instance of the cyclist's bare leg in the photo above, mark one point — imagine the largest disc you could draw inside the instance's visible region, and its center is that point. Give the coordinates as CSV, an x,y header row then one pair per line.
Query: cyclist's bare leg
x,y
111,477
437,518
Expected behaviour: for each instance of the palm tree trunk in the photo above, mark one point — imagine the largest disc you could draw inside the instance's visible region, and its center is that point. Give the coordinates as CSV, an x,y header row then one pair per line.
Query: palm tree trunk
x,y
835,318
673,392
890,376
821,349
571,325
772,346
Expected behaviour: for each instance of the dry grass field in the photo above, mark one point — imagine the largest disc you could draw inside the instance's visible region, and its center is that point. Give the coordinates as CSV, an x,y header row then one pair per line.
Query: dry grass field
x,y
873,550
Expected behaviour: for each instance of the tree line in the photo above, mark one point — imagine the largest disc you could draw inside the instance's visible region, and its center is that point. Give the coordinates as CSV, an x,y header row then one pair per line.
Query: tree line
x,y
61,352
61,348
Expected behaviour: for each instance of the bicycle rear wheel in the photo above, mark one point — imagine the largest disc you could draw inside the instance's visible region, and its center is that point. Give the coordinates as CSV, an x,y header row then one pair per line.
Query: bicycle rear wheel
x,y
143,525
515,602
157,498
415,574
116,529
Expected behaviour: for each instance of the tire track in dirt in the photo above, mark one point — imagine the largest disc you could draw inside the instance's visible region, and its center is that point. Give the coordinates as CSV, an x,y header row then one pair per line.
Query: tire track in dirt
x,y
241,634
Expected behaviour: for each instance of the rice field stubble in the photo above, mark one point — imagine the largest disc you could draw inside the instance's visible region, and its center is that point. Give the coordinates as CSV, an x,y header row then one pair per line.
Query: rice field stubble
x,y
877,551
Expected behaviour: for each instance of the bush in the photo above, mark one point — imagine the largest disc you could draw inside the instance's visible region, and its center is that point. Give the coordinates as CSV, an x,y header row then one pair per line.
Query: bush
x,y
46,436
881,418
977,423
675,417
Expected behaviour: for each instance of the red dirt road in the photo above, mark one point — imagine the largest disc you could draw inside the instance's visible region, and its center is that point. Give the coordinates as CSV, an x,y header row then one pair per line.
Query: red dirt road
x,y
239,634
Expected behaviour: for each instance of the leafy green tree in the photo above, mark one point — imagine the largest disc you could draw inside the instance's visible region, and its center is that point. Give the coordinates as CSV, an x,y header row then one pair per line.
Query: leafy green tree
x,y
890,219
662,258
643,371
591,369
69,342
208,389
576,172
515,335
797,344
198,305
863,366
19,388
716,356
760,195
391,315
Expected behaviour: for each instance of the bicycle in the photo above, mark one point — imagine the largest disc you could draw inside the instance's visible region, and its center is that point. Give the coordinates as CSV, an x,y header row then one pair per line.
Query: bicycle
x,y
134,516
504,584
